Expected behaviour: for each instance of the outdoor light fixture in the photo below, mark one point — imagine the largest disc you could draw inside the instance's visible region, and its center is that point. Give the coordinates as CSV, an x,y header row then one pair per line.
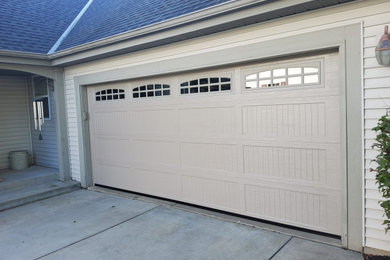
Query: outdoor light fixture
x,y
382,50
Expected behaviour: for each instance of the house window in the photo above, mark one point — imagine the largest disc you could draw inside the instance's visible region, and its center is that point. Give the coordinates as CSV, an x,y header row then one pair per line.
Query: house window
x,y
41,100
284,77
205,85
110,94
151,90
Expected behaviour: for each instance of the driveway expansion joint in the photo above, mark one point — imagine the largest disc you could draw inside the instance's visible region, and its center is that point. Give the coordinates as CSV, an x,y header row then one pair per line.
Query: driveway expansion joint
x,y
99,232
277,251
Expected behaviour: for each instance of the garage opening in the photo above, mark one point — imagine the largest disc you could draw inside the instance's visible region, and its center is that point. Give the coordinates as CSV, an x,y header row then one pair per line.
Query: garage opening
x,y
261,140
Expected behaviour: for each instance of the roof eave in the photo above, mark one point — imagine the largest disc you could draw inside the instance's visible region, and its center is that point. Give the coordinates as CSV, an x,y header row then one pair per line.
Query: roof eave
x,y
215,19
25,58
177,21
209,19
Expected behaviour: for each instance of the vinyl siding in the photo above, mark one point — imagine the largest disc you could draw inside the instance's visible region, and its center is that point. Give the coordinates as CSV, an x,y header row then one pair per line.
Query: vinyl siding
x,y
376,101
14,123
45,151
373,15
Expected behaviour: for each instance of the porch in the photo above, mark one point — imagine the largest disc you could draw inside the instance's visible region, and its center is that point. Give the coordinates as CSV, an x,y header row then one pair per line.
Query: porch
x,y
31,184
31,120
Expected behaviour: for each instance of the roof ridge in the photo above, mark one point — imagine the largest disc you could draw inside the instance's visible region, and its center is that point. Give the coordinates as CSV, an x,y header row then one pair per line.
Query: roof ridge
x,y
70,27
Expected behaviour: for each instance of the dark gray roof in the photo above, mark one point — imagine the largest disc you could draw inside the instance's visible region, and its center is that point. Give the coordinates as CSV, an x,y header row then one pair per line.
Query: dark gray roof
x,y
35,25
106,18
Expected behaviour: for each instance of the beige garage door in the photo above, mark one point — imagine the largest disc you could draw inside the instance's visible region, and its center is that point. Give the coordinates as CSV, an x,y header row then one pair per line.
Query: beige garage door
x,y
261,140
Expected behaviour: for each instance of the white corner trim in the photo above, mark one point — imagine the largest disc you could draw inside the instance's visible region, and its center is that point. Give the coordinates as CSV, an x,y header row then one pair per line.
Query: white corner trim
x,y
70,27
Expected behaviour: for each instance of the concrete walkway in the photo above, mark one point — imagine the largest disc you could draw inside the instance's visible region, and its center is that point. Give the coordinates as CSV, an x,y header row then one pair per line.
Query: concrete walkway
x,y
92,225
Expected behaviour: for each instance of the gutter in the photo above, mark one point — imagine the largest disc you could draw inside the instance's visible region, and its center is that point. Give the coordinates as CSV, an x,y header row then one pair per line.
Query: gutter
x,y
16,57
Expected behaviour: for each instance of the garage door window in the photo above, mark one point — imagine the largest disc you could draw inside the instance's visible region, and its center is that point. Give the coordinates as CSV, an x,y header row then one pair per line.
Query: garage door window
x,y
151,90
283,77
205,85
110,94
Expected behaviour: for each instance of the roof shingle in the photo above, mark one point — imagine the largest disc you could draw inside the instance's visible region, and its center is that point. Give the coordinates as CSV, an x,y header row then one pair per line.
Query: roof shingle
x,y
107,18
35,25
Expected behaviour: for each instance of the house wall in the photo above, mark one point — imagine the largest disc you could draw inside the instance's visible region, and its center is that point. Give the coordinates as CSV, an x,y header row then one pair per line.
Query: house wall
x,y
373,15
45,151
14,122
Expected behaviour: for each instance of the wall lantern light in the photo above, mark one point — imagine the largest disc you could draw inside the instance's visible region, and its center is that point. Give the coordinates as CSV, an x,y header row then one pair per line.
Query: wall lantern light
x,y
382,50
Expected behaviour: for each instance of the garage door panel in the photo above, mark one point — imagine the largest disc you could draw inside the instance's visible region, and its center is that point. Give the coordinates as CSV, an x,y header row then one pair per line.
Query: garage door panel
x,y
284,120
208,121
155,152
110,122
293,93
155,122
311,165
156,183
112,150
215,193
292,120
209,156
299,208
107,174
290,163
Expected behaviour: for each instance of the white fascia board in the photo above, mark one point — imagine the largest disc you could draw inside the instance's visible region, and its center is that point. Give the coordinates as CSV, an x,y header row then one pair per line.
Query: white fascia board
x,y
24,58
185,24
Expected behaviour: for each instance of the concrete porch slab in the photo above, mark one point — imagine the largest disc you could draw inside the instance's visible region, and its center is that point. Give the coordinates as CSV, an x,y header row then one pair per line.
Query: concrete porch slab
x,y
33,175
16,197
31,184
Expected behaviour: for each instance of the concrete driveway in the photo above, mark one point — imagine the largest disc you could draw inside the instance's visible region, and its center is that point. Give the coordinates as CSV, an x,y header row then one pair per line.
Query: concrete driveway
x,y
93,225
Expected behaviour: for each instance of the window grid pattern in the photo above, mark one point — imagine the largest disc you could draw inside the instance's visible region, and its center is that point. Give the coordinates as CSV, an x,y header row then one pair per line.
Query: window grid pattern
x,y
151,90
110,94
205,85
284,77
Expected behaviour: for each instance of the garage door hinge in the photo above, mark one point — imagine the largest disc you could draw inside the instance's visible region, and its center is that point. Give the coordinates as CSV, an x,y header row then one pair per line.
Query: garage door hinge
x,y
85,116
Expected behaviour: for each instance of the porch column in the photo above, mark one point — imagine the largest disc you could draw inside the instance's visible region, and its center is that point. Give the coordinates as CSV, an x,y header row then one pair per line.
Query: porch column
x,y
62,133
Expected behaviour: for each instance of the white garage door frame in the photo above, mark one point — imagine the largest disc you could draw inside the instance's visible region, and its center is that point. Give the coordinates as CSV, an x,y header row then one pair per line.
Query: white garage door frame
x,y
346,40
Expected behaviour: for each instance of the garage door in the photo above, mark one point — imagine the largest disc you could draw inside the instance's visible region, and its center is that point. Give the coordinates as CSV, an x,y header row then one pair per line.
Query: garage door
x,y
261,140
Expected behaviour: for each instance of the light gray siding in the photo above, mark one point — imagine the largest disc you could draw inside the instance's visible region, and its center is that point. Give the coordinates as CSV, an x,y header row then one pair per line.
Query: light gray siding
x,y
45,150
14,121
